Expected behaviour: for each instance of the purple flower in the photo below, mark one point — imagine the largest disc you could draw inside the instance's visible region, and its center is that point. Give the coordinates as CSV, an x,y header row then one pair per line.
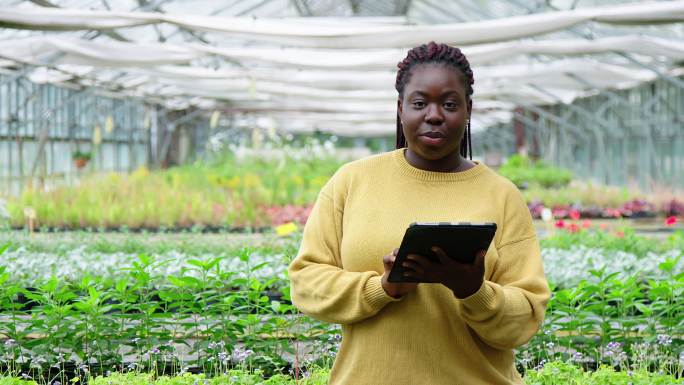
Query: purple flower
x,y
614,346
664,340
241,355
577,356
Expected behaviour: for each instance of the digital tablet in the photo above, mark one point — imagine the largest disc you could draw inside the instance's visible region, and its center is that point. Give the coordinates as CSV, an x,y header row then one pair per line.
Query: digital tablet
x,y
459,240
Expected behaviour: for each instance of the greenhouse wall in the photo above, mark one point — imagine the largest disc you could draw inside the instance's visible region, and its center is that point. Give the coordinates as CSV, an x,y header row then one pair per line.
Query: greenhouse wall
x,y
632,137
41,126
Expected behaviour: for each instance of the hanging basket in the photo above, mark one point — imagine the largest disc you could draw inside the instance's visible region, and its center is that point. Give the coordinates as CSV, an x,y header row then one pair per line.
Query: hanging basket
x,y
81,159
81,162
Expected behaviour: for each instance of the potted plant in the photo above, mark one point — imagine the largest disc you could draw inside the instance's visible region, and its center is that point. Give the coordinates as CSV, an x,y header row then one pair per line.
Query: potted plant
x,y
81,158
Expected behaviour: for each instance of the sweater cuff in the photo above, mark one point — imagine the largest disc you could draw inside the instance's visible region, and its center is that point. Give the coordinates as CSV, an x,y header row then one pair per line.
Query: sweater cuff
x,y
375,295
482,300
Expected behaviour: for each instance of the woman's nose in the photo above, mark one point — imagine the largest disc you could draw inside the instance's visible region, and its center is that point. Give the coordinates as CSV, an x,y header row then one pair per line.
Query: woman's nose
x,y
433,115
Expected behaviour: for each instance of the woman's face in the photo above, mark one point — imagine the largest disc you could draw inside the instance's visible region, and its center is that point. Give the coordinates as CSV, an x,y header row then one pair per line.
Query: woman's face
x,y
434,111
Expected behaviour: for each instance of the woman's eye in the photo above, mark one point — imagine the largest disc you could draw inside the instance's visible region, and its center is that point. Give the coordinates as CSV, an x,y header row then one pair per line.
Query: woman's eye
x,y
451,105
418,104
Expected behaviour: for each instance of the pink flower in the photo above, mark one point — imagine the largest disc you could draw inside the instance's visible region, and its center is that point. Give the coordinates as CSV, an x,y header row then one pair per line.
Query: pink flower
x,y
574,215
620,234
560,224
671,220
586,224
573,228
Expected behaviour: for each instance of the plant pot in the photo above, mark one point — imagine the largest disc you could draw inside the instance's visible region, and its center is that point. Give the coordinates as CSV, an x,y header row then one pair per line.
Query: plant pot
x,y
80,162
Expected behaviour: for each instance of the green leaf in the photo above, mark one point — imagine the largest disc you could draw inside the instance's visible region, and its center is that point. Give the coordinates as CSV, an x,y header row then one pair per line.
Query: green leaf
x,y
647,311
196,262
176,281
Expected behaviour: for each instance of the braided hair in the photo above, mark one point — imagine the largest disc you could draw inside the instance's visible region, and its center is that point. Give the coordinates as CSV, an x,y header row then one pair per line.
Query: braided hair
x,y
441,54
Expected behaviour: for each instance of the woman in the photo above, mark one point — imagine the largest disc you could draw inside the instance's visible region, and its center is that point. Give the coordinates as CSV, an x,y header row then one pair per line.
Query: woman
x,y
463,328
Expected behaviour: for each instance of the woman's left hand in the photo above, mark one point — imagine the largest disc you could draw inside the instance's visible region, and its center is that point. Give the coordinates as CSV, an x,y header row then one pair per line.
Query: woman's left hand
x,y
464,279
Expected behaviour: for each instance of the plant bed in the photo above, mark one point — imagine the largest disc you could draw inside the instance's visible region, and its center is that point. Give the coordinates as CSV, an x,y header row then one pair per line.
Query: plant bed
x,y
154,230
548,373
240,297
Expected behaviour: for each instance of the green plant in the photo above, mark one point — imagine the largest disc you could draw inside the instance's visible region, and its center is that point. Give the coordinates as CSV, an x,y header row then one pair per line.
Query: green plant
x,y
523,171
85,155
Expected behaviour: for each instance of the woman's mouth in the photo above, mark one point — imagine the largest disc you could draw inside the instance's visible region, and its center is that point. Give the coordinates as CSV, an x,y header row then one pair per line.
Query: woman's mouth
x,y
434,134
433,138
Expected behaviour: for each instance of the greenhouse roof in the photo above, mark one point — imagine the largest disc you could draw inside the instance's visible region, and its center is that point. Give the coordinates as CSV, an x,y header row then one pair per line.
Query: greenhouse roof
x,y
330,65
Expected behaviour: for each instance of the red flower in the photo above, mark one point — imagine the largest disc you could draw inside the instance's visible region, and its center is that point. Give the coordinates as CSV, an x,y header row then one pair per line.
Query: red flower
x,y
586,224
671,220
620,234
574,215
603,226
560,224
573,228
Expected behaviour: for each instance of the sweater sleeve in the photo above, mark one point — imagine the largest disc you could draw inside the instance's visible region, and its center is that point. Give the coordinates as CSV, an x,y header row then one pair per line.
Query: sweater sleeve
x,y
320,287
509,308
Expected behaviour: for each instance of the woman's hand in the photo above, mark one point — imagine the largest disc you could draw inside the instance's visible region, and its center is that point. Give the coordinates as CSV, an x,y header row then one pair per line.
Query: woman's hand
x,y
464,279
393,289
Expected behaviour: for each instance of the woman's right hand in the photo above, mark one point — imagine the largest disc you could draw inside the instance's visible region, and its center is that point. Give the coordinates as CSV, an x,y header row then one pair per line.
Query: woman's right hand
x,y
394,289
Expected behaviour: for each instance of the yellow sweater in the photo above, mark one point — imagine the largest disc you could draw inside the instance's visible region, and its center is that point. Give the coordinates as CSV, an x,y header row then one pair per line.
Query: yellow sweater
x,y
428,337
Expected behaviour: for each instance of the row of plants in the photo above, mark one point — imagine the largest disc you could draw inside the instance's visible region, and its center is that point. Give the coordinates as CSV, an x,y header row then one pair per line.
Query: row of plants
x,y
546,186
552,373
623,239
563,236
227,191
104,255
242,191
206,317
636,208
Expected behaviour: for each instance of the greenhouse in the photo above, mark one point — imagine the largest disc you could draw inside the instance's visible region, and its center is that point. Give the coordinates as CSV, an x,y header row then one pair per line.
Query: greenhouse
x,y
196,191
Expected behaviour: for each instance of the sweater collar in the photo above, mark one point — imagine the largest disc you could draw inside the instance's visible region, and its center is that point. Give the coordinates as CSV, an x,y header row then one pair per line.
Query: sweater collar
x,y
434,176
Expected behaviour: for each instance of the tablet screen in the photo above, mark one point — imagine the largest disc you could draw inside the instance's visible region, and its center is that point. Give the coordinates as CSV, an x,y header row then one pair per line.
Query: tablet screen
x,y
461,241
